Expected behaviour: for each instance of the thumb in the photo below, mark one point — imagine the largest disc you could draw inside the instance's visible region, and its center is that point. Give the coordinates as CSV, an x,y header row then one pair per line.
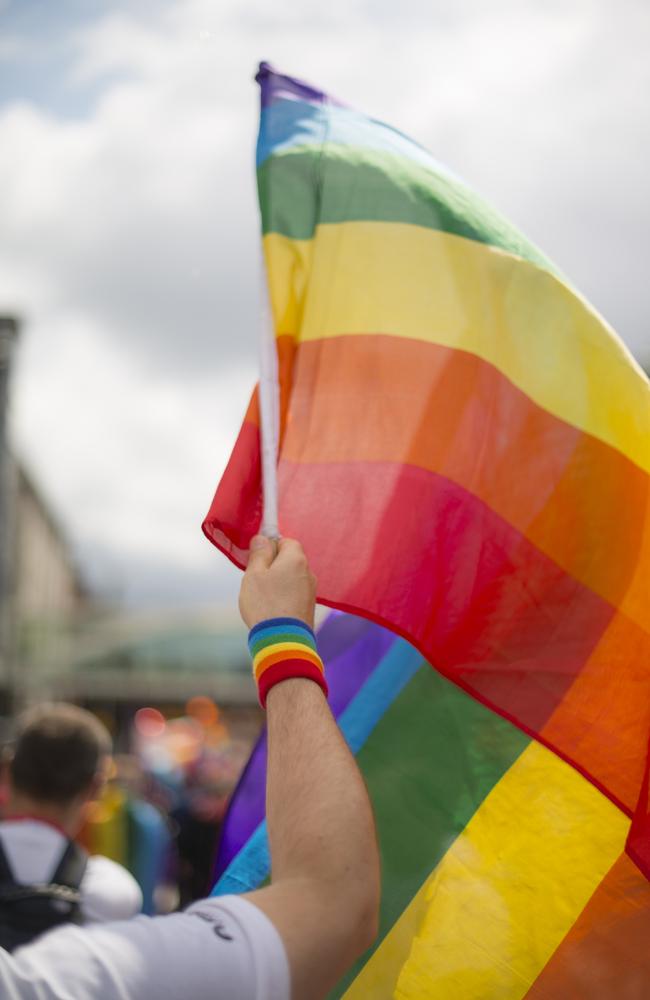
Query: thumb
x,y
262,552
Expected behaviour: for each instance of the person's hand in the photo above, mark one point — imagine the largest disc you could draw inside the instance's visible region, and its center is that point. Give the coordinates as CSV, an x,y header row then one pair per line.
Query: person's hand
x,y
277,586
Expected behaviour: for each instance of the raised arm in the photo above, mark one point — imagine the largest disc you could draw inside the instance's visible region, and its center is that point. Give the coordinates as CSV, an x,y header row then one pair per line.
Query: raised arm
x,y
324,894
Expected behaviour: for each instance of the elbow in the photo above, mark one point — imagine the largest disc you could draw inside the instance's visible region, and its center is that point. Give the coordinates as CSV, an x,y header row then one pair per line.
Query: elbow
x,y
367,927
367,913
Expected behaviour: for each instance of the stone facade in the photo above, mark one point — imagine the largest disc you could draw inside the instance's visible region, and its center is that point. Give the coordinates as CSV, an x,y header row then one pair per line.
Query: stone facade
x,y
45,594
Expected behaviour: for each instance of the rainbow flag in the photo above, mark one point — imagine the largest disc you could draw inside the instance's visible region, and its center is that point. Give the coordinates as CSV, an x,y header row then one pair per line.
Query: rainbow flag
x,y
504,872
464,442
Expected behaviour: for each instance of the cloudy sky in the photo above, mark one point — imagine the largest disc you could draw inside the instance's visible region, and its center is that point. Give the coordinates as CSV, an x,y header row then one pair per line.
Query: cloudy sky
x,y
129,231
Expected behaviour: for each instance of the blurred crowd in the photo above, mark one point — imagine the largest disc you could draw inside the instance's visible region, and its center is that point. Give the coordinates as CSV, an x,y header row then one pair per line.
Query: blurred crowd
x,y
160,810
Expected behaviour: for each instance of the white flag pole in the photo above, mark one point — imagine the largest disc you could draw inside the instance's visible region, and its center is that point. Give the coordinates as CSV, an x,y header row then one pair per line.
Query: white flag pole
x,y
269,412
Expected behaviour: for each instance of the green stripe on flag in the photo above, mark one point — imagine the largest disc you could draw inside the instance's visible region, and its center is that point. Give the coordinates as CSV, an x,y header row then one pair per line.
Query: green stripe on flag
x,y
428,764
369,185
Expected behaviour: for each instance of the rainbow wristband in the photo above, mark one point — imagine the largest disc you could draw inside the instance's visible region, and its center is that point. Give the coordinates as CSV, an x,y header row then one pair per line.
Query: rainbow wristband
x,y
282,648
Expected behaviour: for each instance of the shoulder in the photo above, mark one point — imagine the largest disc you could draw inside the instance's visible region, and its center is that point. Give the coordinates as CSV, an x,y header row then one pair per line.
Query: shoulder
x,y
218,949
231,917
108,891
243,944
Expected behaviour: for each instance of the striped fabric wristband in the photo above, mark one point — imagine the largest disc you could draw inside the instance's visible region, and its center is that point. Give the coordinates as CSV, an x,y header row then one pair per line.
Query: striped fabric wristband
x,y
282,648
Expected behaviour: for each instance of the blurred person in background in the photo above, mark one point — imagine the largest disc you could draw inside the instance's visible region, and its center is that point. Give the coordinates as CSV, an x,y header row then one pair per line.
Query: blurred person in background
x,y
197,819
57,767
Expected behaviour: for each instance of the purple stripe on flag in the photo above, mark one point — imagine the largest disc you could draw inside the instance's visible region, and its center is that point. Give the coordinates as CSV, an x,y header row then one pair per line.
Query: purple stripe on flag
x,y
275,86
351,648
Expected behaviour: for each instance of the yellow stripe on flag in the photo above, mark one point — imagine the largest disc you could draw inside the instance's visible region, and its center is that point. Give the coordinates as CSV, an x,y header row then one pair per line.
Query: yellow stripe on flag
x,y
508,890
408,281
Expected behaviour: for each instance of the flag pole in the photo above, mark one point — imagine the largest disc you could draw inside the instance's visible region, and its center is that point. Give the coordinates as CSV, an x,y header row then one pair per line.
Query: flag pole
x,y
269,412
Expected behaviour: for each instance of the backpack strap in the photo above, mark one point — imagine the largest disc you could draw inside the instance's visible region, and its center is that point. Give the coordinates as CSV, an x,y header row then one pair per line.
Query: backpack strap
x,y
6,874
71,867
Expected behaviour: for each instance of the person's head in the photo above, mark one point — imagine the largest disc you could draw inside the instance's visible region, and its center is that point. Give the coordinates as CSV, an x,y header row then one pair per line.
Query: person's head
x,y
59,759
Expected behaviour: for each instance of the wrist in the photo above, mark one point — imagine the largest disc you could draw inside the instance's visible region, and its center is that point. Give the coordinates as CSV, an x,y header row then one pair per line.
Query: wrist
x,y
284,649
294,694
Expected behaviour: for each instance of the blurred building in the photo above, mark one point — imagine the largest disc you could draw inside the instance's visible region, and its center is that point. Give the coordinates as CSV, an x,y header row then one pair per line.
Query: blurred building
x,y
8,335
46,581
62,642
46,595
41,591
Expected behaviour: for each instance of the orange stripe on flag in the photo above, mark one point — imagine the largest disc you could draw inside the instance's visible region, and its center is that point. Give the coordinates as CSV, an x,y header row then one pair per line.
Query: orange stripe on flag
x,y
577,499
606,954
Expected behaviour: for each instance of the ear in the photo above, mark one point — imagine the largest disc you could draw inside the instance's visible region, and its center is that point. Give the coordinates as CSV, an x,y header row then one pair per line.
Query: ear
x,y
95,788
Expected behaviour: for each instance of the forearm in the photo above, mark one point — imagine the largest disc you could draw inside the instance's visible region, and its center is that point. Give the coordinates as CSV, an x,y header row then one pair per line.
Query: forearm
x,y
319,817
324,892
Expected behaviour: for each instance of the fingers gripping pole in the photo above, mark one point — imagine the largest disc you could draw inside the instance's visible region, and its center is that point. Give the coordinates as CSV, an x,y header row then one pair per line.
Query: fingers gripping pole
x,y
269,413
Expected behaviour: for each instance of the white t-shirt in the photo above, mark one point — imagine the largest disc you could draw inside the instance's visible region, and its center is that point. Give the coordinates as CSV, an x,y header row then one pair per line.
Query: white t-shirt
x,y
34,849
218,949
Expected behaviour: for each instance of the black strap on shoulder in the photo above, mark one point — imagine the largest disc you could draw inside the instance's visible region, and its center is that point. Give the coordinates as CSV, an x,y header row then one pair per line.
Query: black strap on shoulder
x,y
27,911
6,874
71,867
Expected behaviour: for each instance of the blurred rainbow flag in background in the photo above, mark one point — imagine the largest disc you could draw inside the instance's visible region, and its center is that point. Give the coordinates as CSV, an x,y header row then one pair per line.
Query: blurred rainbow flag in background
x,y
464,454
